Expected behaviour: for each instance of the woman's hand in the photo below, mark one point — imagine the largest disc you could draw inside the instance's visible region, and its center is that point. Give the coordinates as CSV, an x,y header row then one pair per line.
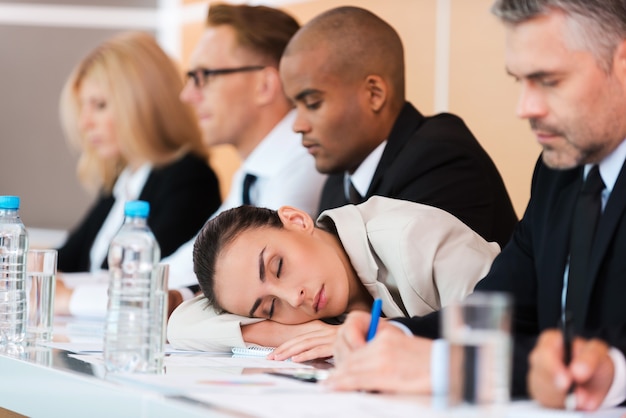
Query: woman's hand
x,y
315,342
62,296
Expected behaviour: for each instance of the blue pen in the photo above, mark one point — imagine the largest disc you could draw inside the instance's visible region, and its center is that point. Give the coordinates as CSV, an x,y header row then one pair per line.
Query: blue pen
x,y
376,308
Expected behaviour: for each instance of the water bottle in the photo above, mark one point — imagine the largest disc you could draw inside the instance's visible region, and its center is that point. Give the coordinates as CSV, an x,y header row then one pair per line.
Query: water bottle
x,y
13,249
133,338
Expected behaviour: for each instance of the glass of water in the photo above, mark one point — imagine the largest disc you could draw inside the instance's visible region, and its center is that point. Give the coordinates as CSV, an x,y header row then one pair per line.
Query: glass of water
x,y
478,330
41,270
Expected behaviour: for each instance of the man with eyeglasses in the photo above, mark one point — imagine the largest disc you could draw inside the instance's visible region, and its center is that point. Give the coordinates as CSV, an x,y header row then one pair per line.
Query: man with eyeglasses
x,y
234,86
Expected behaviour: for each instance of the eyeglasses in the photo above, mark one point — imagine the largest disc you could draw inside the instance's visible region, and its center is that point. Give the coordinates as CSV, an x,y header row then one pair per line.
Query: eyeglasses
x,y
200,75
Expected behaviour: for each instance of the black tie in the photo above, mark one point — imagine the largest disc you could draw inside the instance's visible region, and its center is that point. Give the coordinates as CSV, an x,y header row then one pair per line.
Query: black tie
x,y
248,181
355,196
584,222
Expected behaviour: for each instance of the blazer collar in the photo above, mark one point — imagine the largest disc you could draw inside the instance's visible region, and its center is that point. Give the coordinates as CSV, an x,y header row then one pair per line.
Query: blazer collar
x,y
554,254
607,227
406,124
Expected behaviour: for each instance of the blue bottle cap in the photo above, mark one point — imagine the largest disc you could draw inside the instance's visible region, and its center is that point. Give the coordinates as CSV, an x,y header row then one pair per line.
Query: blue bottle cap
x,y
9,202
138,208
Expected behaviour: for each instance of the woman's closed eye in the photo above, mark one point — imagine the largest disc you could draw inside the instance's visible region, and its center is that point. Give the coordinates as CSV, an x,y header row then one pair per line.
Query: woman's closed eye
x,y
280,267
271,312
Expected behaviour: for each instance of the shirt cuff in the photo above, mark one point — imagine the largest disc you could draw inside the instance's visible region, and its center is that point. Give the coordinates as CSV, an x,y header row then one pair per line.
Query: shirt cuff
x,y
89,300
439,361
402,327
617,391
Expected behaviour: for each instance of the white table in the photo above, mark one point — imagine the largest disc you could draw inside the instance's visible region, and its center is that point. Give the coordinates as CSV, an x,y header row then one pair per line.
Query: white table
x,y
66,387
51,382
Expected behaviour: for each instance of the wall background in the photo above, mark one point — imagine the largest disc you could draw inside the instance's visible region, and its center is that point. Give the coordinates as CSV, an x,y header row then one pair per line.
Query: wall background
x,y
454,62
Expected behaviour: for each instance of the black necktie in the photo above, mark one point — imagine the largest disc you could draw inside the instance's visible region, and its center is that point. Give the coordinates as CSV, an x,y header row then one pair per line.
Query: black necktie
x,y
355,197
248,181
584,222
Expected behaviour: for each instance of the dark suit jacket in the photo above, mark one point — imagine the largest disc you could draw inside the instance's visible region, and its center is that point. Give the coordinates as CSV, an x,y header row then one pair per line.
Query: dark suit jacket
x,y
182,196
437,161
532,266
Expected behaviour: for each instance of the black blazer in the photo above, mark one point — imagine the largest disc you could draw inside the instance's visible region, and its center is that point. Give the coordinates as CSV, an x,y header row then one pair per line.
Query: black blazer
x,y
532,266
437,161
182,196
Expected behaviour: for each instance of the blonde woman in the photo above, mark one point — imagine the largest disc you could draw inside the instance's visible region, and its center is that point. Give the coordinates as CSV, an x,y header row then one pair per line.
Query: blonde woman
x,y
120,108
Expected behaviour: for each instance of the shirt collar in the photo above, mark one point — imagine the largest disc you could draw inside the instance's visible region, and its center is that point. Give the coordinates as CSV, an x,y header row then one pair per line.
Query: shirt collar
x,y
129,184
268,157
610,166
362,176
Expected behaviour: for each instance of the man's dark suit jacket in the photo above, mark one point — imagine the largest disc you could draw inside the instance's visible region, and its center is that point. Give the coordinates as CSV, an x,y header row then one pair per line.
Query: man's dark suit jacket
x,y
182,196
532,266
437,161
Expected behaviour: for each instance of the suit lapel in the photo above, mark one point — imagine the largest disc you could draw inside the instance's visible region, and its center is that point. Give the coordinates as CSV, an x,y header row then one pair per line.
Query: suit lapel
x,y
408,121
607,227
556,251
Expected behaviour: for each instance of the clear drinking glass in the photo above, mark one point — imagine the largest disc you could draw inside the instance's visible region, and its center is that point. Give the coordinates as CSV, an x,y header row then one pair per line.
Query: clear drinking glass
x,y
478,330
41,269
160,314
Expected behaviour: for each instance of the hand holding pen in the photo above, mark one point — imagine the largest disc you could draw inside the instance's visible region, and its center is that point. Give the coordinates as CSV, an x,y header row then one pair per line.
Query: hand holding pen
x,y
549,378
376,310
569,372
378,356
589,355
355,333
567,327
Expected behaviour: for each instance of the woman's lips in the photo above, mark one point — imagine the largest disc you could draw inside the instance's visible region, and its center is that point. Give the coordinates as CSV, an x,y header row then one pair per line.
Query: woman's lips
x,y
320,300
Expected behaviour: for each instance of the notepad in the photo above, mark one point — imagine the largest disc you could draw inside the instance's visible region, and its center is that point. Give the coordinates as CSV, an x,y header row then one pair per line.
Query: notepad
x,y
252,351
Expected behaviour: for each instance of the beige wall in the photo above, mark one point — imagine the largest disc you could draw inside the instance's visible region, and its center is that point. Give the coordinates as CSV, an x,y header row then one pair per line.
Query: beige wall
x,y
486,97
479,90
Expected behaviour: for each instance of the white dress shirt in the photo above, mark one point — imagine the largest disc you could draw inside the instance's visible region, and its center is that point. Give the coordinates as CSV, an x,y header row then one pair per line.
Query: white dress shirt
x,y
363,175
286,175
128,186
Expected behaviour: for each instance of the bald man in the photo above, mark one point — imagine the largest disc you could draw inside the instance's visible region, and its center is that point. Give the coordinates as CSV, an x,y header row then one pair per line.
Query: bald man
x,y
344,70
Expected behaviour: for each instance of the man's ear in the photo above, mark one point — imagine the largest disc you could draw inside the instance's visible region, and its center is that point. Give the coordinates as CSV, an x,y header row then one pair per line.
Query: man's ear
x,y
377,91
295,219
268,85
619,63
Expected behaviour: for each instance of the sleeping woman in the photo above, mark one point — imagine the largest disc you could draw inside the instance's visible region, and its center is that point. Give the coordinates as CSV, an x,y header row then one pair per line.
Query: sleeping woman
x,y
277,278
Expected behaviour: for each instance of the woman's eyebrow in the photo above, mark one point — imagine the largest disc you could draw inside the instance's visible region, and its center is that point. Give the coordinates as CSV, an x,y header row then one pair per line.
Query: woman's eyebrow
x,y
262,265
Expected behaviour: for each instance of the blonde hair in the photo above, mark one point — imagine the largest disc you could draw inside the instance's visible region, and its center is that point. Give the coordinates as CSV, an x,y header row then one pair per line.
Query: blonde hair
x,y
150,120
